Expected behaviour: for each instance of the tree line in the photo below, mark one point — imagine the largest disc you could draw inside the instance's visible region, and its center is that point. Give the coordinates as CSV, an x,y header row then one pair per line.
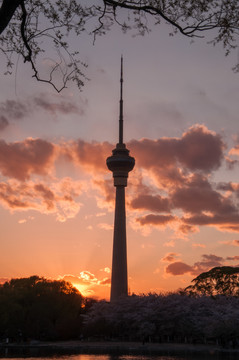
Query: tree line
x,y
41,309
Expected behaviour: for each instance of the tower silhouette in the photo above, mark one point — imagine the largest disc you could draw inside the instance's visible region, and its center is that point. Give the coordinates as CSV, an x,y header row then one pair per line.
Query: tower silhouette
x,y
120,163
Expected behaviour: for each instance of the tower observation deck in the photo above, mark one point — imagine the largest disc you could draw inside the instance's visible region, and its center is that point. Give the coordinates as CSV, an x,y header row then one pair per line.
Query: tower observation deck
x,y
120,163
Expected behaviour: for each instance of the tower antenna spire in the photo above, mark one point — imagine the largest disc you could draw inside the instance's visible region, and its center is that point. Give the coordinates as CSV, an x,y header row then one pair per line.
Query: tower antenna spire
x,y
121,104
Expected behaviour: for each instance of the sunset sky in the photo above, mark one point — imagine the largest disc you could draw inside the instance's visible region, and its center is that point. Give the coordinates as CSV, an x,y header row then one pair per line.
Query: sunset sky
x,y
181,125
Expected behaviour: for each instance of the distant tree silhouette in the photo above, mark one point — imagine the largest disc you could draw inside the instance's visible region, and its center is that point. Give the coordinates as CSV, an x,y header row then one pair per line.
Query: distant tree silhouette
x,y
27,25
221,280
38,308
172,317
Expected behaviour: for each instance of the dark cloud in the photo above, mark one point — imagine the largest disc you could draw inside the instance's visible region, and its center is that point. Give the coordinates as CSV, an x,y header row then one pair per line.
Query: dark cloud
x,y
198,149
21,159
19,109
233,258
225,186
186,229
3,122
178,268
151,203
181,268
106,281
170,257
157,220
197,195
62,106
229,222
14,109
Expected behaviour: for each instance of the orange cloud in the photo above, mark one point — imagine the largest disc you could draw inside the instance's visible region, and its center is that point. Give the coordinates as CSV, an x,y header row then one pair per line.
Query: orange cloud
x,y
105,226
21,159
90,155
234,151
60,200
87,283
198,245
181,166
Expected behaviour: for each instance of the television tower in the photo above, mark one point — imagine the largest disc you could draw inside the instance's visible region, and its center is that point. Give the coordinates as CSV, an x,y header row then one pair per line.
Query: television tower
x,y
120,163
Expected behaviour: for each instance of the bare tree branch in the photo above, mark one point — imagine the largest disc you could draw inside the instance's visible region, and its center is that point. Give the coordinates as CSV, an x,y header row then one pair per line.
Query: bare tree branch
x,y
24,29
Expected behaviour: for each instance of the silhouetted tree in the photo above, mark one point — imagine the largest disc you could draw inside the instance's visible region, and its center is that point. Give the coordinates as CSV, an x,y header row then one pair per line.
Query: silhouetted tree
x,y
41,309
221,280
28,25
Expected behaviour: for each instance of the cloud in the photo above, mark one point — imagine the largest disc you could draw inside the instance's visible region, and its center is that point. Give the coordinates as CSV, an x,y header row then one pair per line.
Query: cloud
x,y
179,190
223,222
230,242
46,194
19,109
14,109
90,155
234,151
186,229
105,226
86,282
21,159
151,203
106,269
197,195
107,188
181,268
200,149
61,105
3,122
158,220
170,257
105,282
197,150
233,258
60,200
198,245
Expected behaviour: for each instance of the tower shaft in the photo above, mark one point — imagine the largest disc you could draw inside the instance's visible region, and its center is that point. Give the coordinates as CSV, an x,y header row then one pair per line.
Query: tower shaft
x,y
119,276
120,163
